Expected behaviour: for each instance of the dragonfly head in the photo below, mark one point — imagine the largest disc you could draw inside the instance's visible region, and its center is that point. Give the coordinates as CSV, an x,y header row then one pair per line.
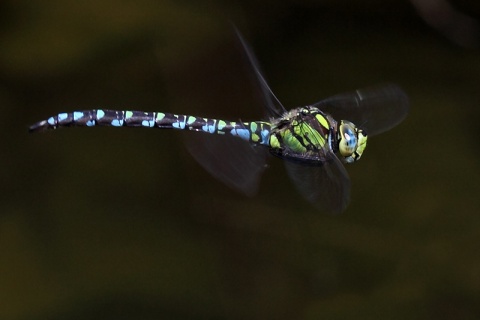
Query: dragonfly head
x,y
351,141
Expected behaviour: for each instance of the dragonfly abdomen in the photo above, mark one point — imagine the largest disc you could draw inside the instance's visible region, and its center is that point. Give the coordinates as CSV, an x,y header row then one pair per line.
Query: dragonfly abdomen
x,y
255,132
91,118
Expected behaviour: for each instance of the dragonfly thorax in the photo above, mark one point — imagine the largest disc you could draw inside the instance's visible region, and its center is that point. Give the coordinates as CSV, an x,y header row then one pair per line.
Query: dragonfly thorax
x,y
303,134
310,136
351,141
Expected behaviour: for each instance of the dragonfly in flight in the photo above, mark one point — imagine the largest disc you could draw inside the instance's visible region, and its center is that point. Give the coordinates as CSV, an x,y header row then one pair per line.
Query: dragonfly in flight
x,y
313,140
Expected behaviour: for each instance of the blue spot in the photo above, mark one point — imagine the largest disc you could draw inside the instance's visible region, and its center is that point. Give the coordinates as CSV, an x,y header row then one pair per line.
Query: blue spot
x,y
90,123
179,125
265,134
51,121
62,116
209,128
100,114
147,123
242,133
77,115
117,123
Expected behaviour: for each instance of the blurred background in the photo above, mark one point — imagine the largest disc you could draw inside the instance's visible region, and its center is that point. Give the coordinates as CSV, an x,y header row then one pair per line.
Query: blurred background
x,y
109,223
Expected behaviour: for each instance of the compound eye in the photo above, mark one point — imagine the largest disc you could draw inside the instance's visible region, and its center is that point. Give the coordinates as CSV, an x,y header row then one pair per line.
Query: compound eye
x,y
348,139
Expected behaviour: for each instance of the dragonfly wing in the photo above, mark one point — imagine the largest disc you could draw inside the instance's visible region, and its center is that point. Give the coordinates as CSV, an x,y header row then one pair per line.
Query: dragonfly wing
x,y
327,186
375,110
274,107
229,159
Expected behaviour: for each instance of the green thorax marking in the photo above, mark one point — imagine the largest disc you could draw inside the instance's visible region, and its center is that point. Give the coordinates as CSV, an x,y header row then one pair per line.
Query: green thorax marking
x,y
302,130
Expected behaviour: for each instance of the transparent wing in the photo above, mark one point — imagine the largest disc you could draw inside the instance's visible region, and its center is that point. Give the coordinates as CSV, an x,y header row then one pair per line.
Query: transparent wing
x,y
375,110
327,186
274,107
229,159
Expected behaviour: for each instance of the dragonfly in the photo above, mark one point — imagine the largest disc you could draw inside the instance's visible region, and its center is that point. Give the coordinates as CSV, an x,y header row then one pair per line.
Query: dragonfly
x,y
314,141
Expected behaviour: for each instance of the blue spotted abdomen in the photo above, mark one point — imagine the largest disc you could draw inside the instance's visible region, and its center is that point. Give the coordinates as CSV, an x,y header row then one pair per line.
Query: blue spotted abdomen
x,y
257,132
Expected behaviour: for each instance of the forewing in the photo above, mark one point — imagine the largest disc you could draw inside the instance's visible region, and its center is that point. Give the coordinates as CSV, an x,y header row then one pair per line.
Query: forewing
x,y
375,109
229,159
326,186
274,107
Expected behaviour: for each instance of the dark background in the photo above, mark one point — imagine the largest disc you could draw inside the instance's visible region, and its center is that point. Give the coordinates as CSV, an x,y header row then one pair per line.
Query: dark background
x,y
111,223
